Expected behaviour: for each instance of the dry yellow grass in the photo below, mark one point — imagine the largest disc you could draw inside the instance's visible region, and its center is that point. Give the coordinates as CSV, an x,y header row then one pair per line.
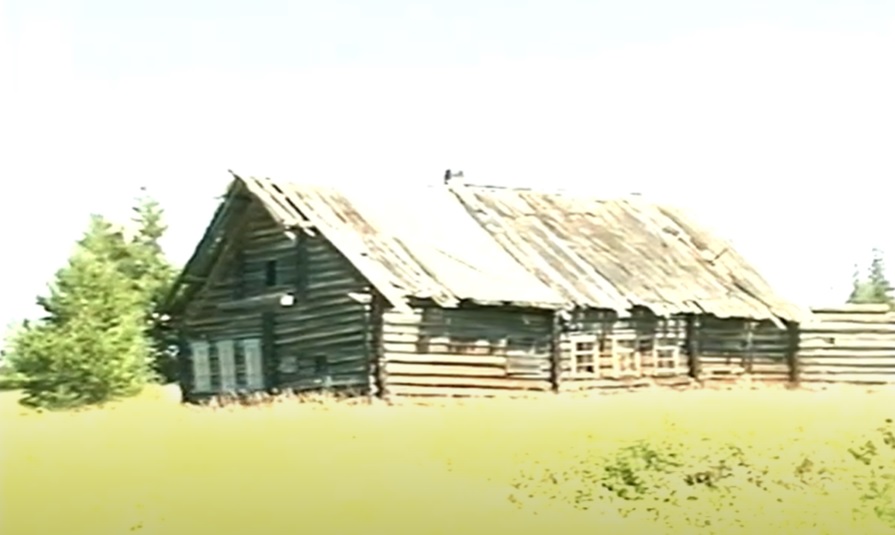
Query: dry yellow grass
x,y
150,465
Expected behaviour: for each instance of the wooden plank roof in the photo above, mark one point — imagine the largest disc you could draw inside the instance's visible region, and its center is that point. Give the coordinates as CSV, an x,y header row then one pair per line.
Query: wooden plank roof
x,y
526,248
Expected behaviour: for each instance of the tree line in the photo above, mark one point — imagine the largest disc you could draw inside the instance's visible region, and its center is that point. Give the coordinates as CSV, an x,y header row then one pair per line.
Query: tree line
x,y
103,334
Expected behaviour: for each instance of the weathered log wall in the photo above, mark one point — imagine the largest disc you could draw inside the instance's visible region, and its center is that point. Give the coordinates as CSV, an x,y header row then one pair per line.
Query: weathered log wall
x,y
848,344
729,349
466,352
323,339
339,333
206,316
600,350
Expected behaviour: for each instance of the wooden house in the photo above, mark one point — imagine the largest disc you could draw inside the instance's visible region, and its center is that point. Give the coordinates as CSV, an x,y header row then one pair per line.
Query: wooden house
x,y
460,290
652,293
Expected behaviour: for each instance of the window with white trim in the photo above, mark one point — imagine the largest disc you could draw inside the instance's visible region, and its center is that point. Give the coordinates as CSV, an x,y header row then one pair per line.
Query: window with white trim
x,y
584,354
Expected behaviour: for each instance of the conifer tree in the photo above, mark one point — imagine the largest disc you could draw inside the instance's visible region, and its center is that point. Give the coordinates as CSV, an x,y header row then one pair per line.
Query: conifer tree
x,y
875,287
153,275
92,345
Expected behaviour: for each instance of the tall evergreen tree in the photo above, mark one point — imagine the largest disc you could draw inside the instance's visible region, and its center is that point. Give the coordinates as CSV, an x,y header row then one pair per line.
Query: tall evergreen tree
x,y
153,275
92,345
875,287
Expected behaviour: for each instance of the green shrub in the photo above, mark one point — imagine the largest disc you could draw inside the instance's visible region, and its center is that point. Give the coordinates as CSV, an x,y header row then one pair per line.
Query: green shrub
x,y
92,346
723,486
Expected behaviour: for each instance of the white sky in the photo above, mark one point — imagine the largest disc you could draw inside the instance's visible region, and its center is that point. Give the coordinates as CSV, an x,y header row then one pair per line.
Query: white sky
x,y
781,137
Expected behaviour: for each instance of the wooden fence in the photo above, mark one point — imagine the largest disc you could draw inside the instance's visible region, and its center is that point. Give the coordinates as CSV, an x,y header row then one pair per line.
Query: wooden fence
x,y
848,344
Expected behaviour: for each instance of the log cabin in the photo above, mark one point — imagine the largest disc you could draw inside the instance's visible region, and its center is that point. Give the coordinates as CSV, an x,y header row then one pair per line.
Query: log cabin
x,y
463,290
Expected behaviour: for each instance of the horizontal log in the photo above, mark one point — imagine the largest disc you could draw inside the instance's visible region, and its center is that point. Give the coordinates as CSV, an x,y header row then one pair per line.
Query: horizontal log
x,y
604,384
852,308
847,370
846,355
833,328
769,368
394,369
848,378
462,392
401,332
847,342
409,339
852,318
258,301
473,382
393,319
725,370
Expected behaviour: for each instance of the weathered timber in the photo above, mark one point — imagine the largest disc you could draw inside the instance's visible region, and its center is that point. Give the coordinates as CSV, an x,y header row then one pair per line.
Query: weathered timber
x,y
476,347
848,344
310,288
321,340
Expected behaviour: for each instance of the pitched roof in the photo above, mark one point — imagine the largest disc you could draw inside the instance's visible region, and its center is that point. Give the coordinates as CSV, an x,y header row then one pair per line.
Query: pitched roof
x,y
508,246
420,244
625,252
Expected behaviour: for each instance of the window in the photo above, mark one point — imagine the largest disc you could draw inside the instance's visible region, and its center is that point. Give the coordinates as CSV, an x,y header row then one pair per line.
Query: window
x,y
668,360
227,362
201,367
584,350
270,273
254,372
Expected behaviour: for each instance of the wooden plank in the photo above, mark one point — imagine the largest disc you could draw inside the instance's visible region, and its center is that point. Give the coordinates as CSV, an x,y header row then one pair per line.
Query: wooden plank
x,y
849,342
852,308
848,370
408,338
427,391
848,378
254,302
476,382
852,318
605,384
855,357
833,328
395,369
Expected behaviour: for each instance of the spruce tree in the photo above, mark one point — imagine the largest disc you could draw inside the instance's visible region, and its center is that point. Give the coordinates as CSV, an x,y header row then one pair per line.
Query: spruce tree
x,y
92,345
875,288
153,275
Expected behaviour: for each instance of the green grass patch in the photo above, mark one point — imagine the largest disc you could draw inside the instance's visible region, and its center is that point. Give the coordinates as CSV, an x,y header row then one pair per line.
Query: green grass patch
x,y
652,462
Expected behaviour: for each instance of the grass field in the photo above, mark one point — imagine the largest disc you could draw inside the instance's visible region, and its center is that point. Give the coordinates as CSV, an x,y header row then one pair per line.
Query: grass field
x,y
151,466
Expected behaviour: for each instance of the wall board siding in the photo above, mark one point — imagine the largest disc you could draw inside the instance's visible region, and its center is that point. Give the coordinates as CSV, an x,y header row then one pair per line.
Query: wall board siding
x,y
730,348
465,351
320,341
848,344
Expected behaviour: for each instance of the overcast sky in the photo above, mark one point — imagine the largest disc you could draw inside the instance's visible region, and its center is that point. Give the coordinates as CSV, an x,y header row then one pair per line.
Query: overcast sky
x,y
773,121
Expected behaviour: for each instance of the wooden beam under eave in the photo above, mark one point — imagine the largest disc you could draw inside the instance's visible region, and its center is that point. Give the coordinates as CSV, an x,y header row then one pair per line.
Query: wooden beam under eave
x,y
258,301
